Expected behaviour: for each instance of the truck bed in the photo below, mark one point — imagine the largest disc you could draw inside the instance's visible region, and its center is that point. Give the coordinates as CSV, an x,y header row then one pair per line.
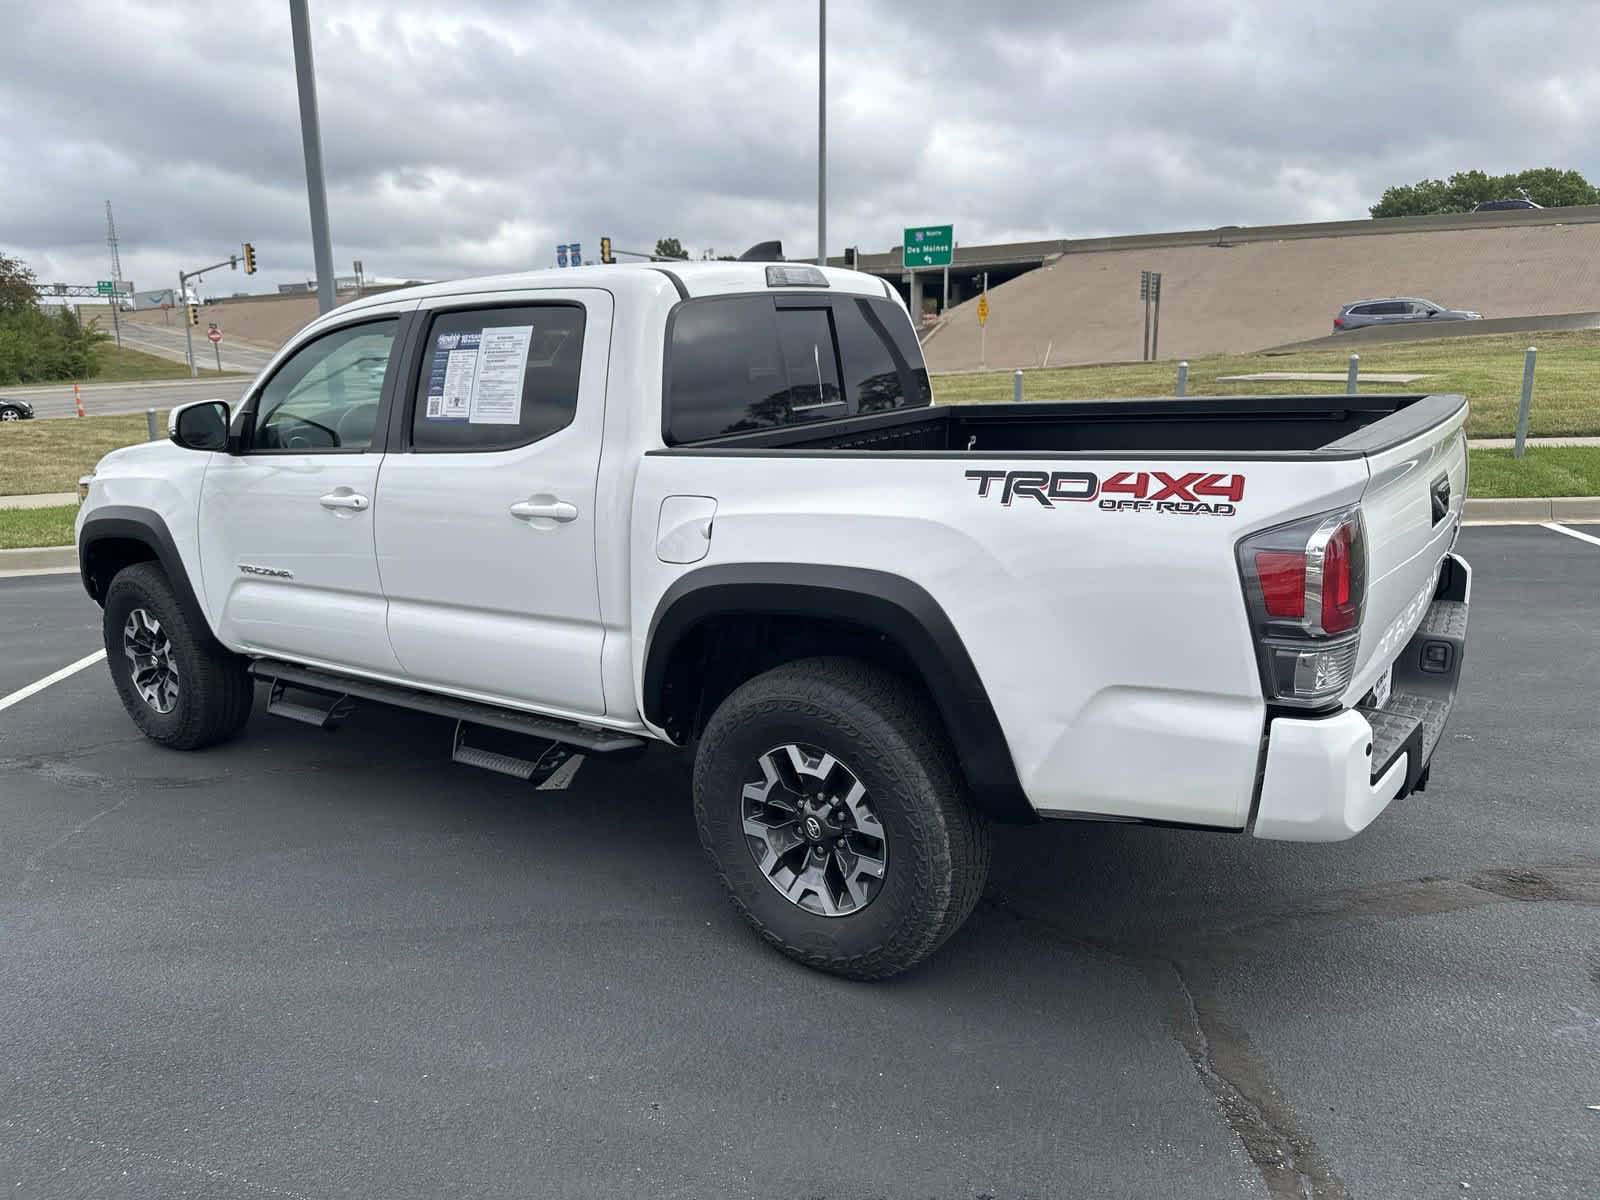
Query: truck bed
x,y
1322,427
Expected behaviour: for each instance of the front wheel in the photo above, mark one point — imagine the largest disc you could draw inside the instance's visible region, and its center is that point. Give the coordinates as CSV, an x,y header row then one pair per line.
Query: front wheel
x,y
180,687
829,801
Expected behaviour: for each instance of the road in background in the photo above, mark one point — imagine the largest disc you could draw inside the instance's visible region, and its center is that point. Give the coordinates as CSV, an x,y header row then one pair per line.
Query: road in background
x,y
306,965
168,342
112,399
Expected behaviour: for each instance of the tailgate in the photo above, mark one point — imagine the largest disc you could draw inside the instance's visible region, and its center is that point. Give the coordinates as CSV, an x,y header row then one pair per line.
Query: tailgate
x,y
1412,511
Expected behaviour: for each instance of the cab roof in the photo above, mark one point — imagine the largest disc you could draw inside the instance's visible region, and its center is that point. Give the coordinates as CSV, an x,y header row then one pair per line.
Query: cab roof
x,y
690,279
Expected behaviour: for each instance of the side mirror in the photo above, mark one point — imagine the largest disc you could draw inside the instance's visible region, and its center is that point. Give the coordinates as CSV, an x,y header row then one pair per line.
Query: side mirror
x,y
202,425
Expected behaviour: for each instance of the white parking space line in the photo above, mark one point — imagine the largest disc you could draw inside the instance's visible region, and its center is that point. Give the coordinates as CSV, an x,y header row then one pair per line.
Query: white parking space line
x,y
21,694
1573,533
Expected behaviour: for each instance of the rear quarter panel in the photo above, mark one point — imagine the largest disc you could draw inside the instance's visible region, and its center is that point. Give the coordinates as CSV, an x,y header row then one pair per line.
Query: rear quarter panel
x,y
1113,644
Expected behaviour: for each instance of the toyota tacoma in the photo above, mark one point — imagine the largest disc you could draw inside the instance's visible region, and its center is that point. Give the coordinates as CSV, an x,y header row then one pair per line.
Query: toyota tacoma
x,y
714,506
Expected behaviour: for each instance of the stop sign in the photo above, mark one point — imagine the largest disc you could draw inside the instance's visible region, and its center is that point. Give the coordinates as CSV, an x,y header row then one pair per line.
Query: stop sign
x,y
214,334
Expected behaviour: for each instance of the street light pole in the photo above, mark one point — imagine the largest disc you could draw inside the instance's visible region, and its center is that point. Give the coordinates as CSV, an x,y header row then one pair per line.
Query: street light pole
x,y
822,133
188,334
311,138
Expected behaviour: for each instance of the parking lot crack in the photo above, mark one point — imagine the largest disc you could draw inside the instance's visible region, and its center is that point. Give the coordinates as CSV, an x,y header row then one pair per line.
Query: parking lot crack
x,y
30,867
164,1160
1288,1160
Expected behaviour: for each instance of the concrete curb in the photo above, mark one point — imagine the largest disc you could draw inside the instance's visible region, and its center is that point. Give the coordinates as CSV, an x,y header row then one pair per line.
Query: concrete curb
x,y
1532,511
39,558
40,500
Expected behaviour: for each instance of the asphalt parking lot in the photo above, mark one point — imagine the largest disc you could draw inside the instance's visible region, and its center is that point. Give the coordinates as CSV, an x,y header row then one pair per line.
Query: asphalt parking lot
x,y
312,965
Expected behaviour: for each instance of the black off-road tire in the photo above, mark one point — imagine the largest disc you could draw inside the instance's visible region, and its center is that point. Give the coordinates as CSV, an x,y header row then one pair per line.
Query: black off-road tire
x,y
215,690
887,733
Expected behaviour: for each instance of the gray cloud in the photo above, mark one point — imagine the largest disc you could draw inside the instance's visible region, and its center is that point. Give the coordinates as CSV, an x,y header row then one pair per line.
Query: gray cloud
x,y
472,137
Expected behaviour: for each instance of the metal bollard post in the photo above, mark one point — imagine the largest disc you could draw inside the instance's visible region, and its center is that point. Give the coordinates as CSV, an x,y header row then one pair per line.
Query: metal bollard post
x,y
1528,360
150,424
1016,387
1183,378
1352,374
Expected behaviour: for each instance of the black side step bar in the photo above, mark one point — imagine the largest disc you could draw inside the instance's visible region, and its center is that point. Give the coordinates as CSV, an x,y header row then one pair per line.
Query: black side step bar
x,y
592,738
554,763
329,716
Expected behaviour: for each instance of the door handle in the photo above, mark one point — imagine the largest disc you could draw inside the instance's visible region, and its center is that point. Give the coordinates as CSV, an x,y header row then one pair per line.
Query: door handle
x,y
349,500
550,510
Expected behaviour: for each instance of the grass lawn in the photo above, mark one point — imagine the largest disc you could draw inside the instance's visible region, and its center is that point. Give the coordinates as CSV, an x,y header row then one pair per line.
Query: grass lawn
x,y
37,526
1487,370
49,455
1543,471
131,366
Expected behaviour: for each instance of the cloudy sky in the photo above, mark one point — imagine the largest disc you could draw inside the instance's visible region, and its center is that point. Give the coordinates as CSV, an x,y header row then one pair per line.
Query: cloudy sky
x,y
471,137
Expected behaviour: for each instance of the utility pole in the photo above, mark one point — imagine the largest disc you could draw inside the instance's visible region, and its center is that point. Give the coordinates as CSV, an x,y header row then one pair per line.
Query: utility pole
x,y
822,133
188,332
983,327
116,274
311,138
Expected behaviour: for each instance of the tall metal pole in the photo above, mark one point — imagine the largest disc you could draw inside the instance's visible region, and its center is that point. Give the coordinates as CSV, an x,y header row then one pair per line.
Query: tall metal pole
x,y
822,133
983,328
188,333
311,137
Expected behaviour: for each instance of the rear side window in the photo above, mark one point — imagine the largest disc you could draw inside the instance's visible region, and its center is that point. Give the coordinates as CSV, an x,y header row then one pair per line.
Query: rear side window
x,y
882,361
741,363
498,378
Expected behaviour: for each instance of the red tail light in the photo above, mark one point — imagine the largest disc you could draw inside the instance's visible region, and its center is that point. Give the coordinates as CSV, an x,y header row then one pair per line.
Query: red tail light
x,y
1304,584
1282,575
1338,322
1340,612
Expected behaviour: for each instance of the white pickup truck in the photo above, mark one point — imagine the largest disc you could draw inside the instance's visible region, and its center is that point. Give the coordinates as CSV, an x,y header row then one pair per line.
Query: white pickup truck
x,y
712,505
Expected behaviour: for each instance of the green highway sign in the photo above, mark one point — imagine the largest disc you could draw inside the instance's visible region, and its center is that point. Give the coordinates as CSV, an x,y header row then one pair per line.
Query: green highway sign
x,y
929,246
104,287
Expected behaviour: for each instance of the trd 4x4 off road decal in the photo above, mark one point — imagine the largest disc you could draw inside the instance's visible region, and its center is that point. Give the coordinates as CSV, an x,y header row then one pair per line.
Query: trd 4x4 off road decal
x,y
1188,493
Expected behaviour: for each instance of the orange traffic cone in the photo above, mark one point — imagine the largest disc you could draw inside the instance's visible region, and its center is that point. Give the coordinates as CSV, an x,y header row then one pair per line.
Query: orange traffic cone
x,y
77,398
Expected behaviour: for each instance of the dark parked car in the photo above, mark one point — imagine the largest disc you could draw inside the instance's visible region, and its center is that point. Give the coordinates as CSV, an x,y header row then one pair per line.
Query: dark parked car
x,y
1504,205
15,410
1396,310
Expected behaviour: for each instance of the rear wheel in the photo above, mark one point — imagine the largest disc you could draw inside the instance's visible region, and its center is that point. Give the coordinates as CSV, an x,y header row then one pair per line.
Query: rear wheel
x,y
830,803
180,687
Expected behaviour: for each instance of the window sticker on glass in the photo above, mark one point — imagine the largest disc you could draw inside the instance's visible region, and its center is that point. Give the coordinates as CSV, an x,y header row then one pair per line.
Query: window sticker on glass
x,y
497,385
477,377
451,376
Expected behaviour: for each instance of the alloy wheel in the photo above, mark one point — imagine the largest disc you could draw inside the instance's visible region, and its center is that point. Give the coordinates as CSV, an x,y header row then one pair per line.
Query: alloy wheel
x,y
812,831
149,650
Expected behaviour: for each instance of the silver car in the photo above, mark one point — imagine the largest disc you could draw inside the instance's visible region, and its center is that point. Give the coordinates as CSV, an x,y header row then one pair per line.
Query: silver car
x,y
1397,310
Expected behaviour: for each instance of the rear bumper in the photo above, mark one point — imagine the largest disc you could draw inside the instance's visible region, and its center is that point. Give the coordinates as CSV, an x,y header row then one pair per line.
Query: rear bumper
x,y
1326,779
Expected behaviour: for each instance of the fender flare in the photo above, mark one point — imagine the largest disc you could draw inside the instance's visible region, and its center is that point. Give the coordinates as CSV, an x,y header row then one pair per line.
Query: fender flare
x,y
887,604
130,523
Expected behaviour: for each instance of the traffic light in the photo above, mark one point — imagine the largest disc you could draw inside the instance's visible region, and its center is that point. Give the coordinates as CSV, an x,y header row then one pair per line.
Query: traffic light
x,y
605,250
249,259
194,314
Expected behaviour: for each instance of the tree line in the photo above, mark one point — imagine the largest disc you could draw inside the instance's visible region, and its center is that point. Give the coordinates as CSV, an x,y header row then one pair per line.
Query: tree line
x,y
1548,187
38,346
